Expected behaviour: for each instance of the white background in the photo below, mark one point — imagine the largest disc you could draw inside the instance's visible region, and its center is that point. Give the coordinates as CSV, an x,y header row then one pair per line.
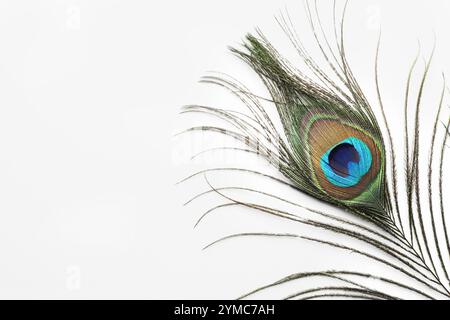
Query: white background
x,y
90,93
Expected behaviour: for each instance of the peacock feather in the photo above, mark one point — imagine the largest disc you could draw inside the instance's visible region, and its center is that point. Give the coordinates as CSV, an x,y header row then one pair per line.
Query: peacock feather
x,y
332,147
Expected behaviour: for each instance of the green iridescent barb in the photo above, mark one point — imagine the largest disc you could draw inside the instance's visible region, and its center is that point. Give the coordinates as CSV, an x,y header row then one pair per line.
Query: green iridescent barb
x,y
332,147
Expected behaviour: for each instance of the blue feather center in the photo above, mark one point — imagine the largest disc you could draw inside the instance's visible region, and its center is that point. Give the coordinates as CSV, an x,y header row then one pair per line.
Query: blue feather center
x,y
345,163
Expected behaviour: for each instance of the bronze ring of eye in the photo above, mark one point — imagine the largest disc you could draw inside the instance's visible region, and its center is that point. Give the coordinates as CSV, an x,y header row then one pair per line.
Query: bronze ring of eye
x,y
345,160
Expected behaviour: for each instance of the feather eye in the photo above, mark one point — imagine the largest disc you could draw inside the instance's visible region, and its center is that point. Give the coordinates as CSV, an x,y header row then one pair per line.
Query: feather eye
x,y
345,161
